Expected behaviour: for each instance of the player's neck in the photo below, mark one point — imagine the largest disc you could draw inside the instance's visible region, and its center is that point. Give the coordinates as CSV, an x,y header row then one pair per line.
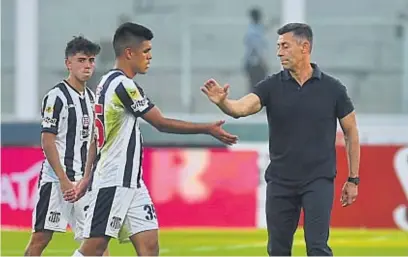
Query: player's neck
x,y
76,84
302,72
124,68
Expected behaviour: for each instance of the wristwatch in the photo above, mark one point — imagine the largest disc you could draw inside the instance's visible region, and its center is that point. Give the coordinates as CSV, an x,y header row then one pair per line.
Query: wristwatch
x,y
355,181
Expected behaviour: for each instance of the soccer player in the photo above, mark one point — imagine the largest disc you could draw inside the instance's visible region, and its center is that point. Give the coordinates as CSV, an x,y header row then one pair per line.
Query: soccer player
x,y
120,197
67,121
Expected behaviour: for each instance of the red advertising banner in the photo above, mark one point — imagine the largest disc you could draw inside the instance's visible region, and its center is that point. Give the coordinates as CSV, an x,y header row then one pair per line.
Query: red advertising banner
x,y
20,167
203,187
383,193
218,187
190,187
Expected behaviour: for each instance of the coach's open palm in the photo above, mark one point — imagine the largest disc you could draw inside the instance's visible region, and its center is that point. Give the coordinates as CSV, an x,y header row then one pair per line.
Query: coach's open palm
x,y
219,133
214,91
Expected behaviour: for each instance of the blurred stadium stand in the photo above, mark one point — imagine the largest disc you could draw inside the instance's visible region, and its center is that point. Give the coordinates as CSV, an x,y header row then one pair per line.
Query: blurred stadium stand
x,y
357,41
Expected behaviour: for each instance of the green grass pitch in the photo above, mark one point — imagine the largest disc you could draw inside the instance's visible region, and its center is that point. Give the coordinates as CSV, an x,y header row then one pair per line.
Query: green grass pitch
x,y
226,242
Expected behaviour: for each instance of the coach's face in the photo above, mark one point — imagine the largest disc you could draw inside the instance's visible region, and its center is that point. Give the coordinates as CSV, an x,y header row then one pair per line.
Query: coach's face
x,y
140,57
290,50
81,66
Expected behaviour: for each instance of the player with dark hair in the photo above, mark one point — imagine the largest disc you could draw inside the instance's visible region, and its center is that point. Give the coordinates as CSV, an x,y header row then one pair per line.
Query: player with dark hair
x,y
66,136
120,197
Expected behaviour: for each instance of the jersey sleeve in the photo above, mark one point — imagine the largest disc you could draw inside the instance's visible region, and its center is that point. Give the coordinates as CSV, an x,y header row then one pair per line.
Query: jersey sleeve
x,y
51,110
344,105
133,98
261,89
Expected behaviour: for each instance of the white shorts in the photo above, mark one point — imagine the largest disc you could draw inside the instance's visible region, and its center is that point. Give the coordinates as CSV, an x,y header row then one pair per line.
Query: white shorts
x,y
111,208
53,213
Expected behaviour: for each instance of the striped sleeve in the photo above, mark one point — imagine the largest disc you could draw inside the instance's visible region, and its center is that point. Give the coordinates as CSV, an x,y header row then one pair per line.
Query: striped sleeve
x,y
133,98
51,112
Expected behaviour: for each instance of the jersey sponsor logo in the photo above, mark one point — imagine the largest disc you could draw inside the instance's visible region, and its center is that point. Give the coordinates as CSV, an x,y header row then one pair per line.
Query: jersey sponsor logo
x,y
49,122
139,105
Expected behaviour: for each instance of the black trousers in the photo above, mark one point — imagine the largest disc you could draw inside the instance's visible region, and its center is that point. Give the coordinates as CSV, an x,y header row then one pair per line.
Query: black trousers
x,y
283,205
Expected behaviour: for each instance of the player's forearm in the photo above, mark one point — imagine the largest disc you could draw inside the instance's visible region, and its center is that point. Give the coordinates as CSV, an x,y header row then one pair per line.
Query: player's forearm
x,y
90,160
51,153
231,108
352,144
182,127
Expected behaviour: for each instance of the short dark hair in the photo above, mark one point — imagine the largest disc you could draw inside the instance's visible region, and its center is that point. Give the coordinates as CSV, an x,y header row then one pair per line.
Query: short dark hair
x,y
255,14
81,45
129,34
299,30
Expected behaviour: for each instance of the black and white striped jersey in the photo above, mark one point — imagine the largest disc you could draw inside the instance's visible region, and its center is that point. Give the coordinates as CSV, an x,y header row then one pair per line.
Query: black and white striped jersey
x,y
119,104
69,115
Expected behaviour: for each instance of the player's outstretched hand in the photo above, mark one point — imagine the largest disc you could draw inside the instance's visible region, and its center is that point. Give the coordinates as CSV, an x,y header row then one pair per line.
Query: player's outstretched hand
x,y
214,91
219,133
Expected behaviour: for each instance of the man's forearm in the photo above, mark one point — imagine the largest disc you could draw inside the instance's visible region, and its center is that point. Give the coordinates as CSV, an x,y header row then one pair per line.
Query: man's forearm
x,y
230,107
183,127
52,156
90,160
353,152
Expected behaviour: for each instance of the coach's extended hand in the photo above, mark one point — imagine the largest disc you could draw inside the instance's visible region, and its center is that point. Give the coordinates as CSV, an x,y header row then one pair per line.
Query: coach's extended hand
x,y
214,91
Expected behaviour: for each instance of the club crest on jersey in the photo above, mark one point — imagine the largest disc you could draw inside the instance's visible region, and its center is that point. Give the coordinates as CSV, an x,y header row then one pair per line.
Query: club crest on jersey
x,y
85,127
85,121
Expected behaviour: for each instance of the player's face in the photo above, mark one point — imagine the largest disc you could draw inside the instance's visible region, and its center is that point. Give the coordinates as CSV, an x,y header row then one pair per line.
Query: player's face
x,y
291,50
81,66
140,57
